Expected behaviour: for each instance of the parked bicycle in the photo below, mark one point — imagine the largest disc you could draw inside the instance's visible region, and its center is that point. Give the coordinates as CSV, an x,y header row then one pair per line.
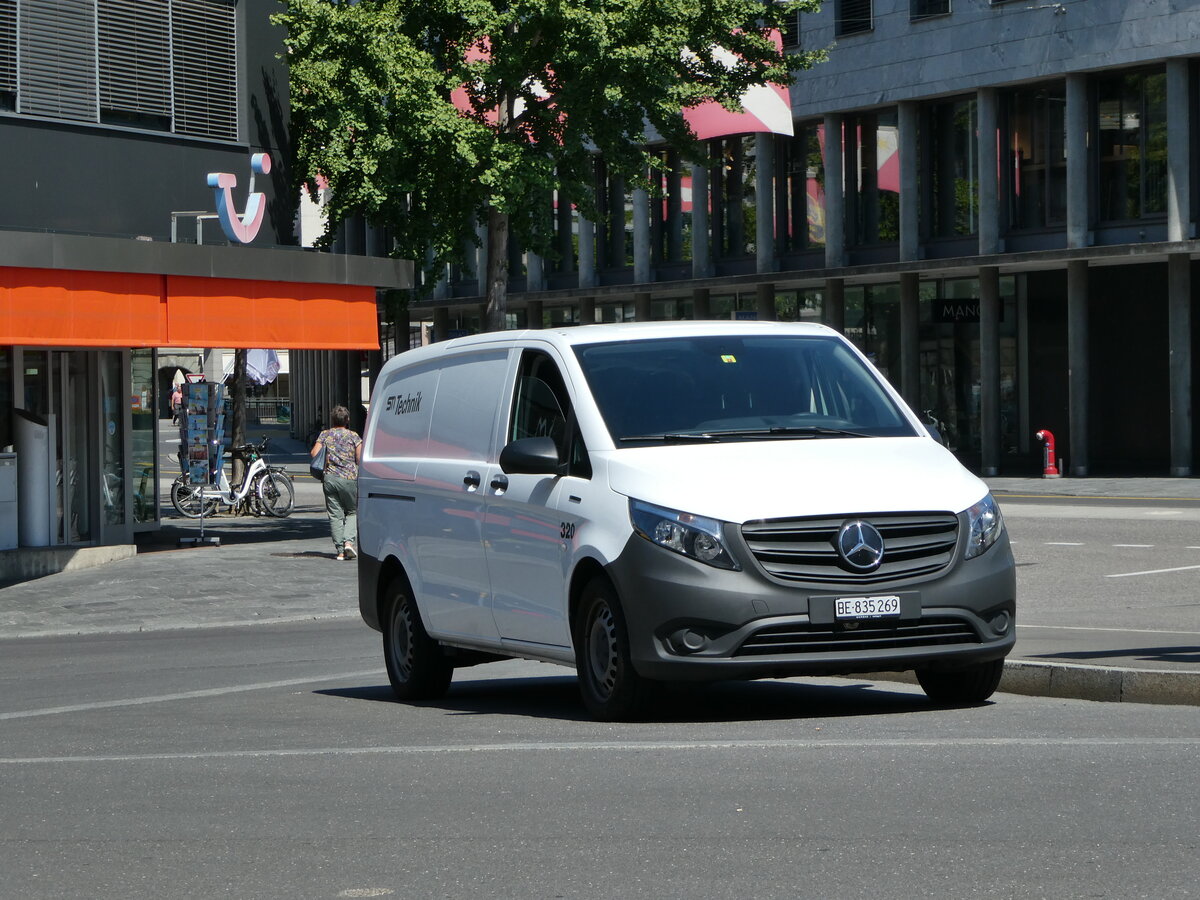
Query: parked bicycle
x,y
264,488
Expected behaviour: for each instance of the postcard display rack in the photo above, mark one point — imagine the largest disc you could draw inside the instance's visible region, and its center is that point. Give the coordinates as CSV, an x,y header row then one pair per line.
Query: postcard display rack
x,y
203,433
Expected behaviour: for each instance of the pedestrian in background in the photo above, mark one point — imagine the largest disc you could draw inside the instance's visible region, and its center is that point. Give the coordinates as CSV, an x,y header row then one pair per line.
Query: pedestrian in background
x,y
343,452
176,405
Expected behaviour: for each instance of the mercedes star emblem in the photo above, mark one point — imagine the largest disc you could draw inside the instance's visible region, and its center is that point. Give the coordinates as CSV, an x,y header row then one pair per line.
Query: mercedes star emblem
x,y
860,544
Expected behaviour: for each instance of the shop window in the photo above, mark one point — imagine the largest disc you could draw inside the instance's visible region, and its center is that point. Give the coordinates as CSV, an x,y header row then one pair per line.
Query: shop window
x,y
852,17
1131,129
950,191
873,177
1036,166
168,65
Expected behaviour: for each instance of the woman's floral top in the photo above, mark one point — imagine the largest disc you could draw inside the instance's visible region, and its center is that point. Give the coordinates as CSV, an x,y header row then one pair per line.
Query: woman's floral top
x,y
341,448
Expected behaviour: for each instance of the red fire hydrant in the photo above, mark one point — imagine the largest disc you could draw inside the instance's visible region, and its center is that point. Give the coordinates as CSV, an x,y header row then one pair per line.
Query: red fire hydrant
x,y
1049,469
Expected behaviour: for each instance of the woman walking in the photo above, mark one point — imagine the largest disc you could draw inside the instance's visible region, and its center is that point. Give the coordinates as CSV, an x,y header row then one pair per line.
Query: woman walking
x,y
343,452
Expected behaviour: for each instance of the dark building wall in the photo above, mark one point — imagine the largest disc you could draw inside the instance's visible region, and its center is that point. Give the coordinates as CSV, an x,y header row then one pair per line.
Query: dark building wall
x,y
100,180
1048,393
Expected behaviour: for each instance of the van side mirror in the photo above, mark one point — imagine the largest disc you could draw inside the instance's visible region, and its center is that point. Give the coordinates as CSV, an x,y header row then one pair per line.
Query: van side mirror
x,y
530,456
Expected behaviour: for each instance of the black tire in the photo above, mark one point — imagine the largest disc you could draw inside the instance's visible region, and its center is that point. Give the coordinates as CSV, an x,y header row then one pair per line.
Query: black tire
x,y
416,665
186,499
611,689
970,684
275,493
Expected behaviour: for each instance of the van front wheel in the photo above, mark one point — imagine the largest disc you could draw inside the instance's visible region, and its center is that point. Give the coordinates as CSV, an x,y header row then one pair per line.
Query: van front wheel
x,y
416,665
611,689
970,684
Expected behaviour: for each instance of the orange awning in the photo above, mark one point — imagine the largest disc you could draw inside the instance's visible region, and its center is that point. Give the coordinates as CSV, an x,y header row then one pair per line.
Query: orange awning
x,y
65,308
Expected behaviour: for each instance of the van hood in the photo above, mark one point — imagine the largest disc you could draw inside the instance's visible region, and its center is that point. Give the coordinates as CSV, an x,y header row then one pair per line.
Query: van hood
x,y
747,480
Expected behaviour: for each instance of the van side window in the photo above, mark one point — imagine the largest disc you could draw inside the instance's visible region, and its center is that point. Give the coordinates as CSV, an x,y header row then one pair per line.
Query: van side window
x,y
542,408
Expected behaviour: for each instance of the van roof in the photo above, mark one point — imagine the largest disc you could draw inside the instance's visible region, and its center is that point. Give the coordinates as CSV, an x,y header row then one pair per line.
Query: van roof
x,y
639,331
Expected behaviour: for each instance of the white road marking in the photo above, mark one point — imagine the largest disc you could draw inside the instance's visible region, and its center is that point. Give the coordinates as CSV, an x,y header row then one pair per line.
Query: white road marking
x,y
184,695
1064,543
1121,630
1136,546
1152,572
610,746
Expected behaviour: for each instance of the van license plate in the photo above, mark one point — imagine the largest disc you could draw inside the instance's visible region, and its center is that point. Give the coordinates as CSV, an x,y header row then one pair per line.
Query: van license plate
x,y
866,607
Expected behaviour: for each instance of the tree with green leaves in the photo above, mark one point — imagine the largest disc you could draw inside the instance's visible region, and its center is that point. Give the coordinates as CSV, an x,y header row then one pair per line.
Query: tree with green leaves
x,y
427,116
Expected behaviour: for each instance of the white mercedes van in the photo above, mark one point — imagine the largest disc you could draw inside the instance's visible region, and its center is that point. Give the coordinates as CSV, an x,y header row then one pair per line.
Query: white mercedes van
x,y
671,502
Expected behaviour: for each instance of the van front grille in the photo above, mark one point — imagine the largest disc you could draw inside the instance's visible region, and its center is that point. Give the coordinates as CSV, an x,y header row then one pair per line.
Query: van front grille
x,y
932,631
805,549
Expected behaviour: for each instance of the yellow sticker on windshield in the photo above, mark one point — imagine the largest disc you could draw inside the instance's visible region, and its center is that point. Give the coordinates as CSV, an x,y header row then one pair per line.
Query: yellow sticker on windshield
x,y
728,358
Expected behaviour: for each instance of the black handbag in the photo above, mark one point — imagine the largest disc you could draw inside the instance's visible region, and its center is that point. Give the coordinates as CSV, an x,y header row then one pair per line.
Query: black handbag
x,y
316,466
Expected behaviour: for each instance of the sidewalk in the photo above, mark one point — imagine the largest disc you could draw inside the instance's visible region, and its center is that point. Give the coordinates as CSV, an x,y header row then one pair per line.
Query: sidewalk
x,y
281,570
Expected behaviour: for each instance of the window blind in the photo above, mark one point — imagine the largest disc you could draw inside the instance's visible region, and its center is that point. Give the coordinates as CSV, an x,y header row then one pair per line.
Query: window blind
x,y
204,63
57,47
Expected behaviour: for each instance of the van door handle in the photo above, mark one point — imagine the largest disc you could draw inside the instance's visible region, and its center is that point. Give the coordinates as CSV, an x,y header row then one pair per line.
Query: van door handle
x,y
471,480
500,483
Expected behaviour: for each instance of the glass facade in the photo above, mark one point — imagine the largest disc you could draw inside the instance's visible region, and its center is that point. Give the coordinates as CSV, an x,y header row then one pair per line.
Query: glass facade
x,y
872,144
800,189
950,170
1036,172
1131,142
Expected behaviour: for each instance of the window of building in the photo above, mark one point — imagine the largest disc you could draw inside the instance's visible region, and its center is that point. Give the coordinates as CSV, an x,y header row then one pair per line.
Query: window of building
x,y
950,190
732,185
872,177
670,210
852,17
800,191
165,65
1035,170
1131,128
790,31
924,9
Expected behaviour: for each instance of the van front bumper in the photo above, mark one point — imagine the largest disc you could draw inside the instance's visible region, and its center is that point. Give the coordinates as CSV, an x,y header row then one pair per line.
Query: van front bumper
x,y
689,621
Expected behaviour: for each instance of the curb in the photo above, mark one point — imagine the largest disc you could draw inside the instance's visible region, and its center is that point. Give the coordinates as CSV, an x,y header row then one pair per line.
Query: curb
x,y
1103,684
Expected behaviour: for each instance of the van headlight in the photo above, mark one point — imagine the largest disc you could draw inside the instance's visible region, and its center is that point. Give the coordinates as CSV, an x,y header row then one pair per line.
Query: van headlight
x,y
984,526
695,537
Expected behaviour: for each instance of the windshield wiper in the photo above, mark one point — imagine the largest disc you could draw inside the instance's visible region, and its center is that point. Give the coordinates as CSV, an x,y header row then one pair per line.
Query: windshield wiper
x,y
701,437
787,431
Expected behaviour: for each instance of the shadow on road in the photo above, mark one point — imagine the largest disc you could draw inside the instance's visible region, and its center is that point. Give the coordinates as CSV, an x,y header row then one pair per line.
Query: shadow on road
x,y
238,530
557,697
1145,654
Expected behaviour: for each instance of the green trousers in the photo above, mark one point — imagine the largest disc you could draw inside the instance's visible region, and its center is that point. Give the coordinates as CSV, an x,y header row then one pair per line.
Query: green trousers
x,y
341,502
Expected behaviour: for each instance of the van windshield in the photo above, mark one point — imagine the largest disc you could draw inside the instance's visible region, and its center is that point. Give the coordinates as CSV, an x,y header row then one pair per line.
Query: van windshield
x,y
745,387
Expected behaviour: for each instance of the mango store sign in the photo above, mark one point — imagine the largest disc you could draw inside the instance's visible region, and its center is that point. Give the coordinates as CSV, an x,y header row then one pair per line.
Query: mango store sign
x,y
241,229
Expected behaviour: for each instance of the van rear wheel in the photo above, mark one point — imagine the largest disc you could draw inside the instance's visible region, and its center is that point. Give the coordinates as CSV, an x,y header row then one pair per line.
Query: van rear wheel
x,y
416,665
611,689
969,684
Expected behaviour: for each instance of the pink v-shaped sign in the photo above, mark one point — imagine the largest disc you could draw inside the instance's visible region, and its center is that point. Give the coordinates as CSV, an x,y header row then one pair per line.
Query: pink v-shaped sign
x,y
240,229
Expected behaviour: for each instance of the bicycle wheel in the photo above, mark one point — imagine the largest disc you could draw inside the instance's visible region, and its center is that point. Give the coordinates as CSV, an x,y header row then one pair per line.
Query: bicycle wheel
x,y
187,498
276,494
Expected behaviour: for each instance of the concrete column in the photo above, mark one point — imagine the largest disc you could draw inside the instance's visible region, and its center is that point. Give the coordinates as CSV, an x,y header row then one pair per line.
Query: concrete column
x,y
535,272
834,311
1179,126
1077,161
587,253
835,199
764,296
700,304
989,368
908,120
441,323
640,200
533,314
641,307
587,310
1077,365
701,243
481,260
1179,339
764,203
989,172
910,339
565,216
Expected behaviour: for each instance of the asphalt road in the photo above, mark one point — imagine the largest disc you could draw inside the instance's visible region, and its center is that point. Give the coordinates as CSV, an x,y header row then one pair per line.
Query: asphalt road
x,y
271,762
1107,583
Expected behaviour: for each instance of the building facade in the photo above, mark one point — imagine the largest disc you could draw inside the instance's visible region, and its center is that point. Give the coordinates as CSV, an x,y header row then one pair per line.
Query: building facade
x,y
148,208
996,200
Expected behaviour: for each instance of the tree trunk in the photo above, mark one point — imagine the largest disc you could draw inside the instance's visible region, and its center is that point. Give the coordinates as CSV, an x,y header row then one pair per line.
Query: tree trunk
x,y
497,270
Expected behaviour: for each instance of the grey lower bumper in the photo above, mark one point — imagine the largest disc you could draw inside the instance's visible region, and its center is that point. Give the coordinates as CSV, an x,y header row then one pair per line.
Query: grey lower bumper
x,y
689,621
